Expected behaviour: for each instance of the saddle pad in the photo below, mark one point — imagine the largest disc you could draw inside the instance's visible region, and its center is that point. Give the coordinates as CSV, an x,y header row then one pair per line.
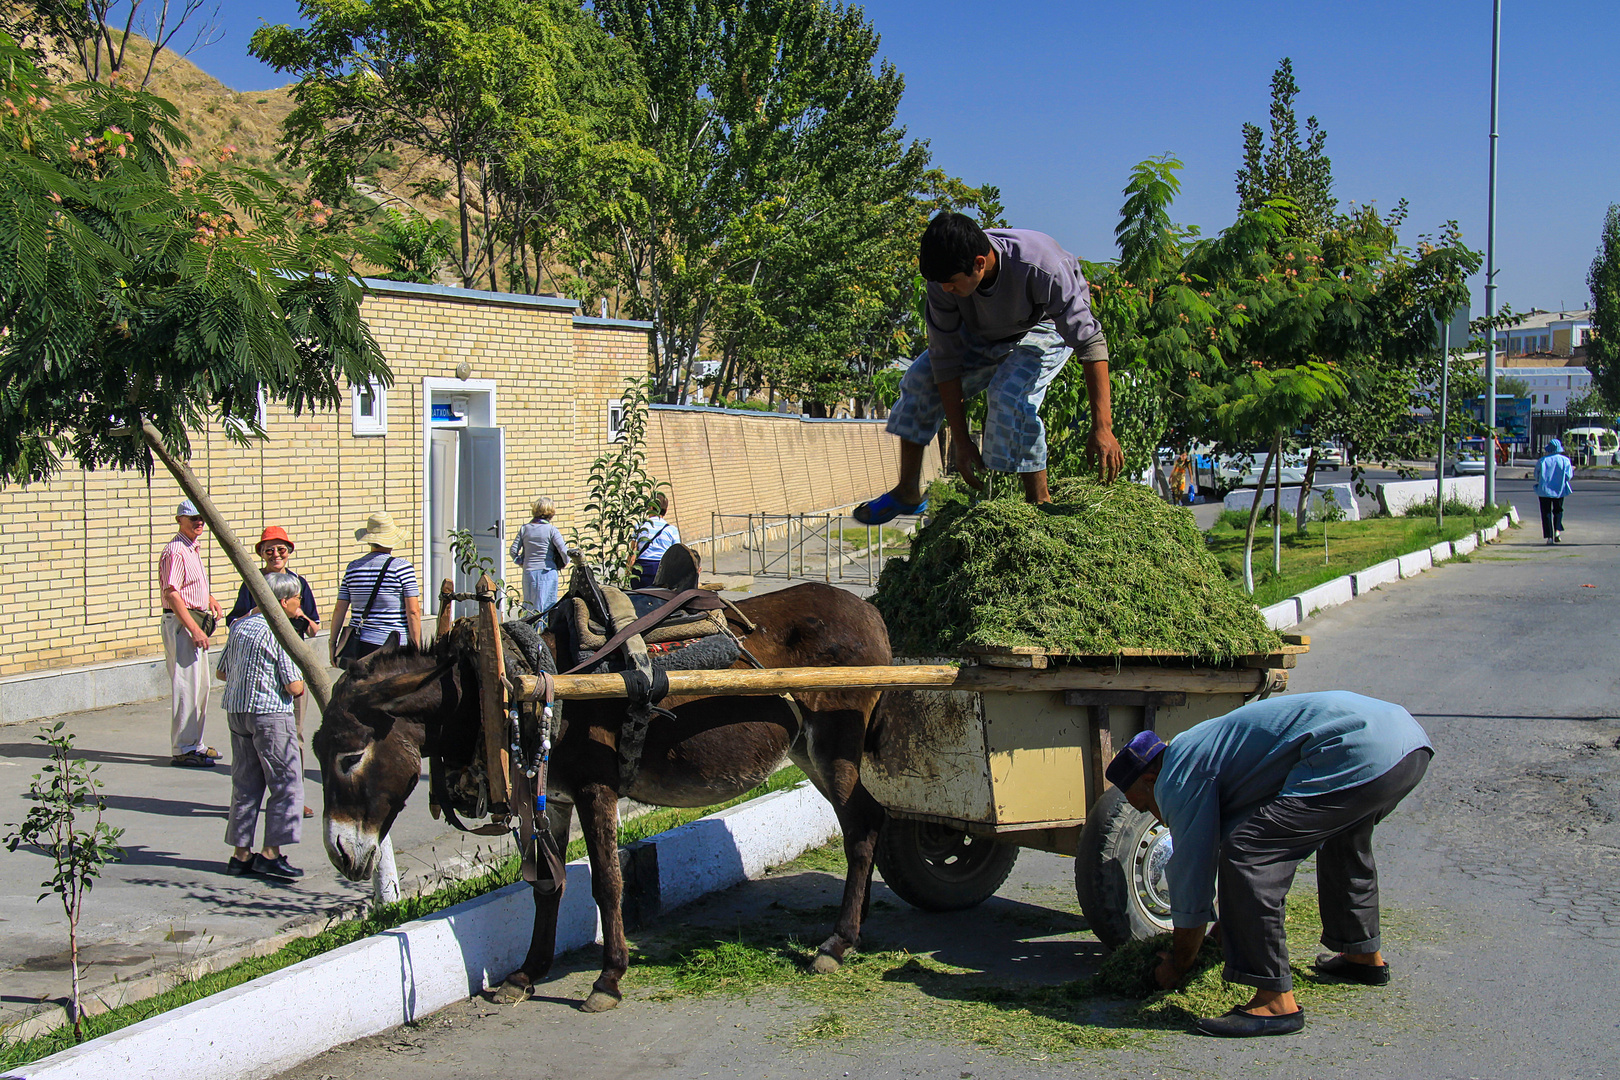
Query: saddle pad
x,y
711,653
592,636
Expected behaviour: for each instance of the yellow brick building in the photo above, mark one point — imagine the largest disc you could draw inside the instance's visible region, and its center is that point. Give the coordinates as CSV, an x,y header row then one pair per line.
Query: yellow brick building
x,y
496,398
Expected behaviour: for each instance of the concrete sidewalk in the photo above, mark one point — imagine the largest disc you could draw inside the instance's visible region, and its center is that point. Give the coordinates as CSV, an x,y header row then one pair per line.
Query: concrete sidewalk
x,y
169,902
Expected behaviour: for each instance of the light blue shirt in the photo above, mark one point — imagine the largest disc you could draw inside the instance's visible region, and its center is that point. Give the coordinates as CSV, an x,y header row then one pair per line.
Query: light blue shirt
x,y
1215,774
1552,476
257,669
655,537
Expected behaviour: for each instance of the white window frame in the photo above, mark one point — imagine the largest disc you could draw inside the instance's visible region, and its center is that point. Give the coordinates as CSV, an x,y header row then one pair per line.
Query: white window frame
x,y
262,416
377,423
615,420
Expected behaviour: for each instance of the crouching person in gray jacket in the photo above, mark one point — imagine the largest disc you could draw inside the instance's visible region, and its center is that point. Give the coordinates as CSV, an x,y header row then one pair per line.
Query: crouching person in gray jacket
x,y
260,685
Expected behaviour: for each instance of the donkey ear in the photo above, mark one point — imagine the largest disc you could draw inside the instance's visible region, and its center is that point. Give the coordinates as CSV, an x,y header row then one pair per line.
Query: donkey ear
x,y
399,687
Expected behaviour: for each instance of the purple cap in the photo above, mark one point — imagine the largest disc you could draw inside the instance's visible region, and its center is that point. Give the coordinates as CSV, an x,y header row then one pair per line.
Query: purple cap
x,y
1130,763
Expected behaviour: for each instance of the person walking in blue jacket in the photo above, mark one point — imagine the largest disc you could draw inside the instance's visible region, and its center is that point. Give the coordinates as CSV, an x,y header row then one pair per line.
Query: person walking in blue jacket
x,y
1552,486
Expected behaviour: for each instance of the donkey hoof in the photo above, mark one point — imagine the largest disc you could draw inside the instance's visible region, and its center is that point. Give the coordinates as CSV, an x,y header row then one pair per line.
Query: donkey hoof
x,y
825,963
510,993
599,1001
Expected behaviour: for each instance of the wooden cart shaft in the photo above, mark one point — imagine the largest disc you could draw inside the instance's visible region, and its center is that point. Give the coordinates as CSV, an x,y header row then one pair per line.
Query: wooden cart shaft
x,y
732,682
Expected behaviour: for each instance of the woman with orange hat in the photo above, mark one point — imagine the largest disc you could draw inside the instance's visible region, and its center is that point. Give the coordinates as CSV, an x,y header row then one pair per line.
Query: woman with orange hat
x,y
275,547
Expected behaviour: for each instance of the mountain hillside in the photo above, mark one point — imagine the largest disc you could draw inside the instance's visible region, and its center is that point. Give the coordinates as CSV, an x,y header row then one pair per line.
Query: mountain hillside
x,y
215,116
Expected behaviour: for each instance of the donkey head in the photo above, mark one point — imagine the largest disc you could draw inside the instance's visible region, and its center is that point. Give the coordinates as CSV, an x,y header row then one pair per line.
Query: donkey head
x,y
370,746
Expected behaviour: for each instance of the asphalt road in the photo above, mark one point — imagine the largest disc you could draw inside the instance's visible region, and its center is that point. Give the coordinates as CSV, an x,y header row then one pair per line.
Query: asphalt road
x,y
1501,879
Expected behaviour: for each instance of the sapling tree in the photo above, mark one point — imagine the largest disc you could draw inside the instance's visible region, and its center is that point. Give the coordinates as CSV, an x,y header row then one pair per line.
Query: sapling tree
x,y
66,823
622,493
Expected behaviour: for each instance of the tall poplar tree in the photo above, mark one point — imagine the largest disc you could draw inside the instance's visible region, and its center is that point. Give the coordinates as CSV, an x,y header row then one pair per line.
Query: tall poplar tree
x,y
1603,279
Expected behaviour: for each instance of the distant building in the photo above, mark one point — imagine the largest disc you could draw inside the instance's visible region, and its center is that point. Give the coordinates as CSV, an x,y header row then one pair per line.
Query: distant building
x,y
1547,334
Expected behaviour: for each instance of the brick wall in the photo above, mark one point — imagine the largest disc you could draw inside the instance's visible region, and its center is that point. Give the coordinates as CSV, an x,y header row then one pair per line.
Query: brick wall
x,y
736,462
78,555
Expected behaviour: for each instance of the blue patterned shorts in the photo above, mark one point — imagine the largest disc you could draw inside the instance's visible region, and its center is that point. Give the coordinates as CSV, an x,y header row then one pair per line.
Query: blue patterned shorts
x,y
1013,374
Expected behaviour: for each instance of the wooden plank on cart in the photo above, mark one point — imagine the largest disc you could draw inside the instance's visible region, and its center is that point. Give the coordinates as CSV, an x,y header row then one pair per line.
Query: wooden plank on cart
x,y
1019,656
492,693
733,682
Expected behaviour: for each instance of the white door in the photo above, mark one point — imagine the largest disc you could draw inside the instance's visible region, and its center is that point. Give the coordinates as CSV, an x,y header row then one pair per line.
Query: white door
x,y
483,499
444,476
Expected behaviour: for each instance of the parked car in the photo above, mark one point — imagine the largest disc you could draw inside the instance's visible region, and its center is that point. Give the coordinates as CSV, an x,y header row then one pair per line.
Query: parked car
x,y
1469,459
1329,457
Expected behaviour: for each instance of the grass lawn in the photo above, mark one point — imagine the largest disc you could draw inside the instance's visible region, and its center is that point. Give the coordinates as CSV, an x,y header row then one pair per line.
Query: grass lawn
x,y
1351,546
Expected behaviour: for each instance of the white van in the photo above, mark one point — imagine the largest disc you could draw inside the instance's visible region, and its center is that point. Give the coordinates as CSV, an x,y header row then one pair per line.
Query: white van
x,y
1591,445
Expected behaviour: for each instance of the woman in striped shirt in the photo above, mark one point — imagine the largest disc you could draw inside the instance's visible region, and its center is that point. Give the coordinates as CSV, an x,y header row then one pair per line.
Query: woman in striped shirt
x,y
382,589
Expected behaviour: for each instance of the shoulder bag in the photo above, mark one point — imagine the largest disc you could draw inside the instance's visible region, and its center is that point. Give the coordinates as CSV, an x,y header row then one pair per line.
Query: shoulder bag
x,y
346,649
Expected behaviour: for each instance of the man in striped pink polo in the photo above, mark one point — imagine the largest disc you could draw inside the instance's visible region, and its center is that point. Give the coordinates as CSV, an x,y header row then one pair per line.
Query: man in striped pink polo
x,y
189,614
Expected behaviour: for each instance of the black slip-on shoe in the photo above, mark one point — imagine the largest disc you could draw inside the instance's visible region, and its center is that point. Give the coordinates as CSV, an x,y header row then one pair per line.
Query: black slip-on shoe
x,y
239,867
1336,965
278,868
1238,1024
191,760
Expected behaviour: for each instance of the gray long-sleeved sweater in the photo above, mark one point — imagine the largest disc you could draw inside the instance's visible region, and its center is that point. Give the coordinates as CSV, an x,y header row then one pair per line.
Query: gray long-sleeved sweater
x,y
1036,281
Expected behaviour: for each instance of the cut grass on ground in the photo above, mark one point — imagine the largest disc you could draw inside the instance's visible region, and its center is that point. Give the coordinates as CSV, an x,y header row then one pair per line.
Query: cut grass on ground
x,y
381,918
1351,546
882,990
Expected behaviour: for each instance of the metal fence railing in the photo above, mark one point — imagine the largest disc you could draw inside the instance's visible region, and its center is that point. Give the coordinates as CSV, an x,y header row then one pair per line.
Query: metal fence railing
x,y
818,547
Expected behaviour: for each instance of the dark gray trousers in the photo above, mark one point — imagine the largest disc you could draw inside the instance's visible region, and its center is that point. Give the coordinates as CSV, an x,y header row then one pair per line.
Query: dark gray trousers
x,y
265,756
1259,859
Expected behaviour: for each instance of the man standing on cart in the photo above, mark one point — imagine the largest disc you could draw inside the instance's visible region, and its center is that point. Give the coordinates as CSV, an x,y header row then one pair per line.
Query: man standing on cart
x,y
1006,309
1248,796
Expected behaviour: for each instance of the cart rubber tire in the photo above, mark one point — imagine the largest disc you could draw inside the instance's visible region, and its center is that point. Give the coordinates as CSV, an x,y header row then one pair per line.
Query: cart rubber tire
x,y
1119,872
938,868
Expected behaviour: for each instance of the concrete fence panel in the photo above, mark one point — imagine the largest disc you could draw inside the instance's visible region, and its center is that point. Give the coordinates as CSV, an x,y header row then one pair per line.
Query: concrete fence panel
x,y
1395,498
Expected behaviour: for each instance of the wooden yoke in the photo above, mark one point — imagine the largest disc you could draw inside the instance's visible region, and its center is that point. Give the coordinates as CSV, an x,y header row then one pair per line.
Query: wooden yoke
x,y
492,697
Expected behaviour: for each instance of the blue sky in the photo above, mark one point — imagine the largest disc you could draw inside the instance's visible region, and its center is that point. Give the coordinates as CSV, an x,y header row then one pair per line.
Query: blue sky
x,y
1054,101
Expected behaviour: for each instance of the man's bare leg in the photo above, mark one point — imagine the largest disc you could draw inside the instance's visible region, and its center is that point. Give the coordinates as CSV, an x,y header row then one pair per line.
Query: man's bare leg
x,y
1272,1003
1035,489
908,491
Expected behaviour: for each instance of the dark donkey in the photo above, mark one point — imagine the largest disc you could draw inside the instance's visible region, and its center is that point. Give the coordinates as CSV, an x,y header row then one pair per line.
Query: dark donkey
x,y
399,705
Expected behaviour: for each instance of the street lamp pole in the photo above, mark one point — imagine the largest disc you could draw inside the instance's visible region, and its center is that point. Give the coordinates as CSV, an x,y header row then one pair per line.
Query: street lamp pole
x,y
1490,265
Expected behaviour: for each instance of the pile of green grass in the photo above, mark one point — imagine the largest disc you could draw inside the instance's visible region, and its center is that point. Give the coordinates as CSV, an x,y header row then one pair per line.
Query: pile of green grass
x,y
1101,569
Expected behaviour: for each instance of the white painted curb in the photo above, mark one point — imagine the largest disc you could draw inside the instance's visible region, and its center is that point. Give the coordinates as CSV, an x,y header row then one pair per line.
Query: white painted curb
x,y
1415,563
1440,552
403,974
1375,575
1489,533
1466,544
1329,594
1281,615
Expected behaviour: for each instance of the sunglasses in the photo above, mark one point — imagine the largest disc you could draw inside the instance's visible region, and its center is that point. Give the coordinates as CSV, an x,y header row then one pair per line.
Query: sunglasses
x,y
277,549
198,520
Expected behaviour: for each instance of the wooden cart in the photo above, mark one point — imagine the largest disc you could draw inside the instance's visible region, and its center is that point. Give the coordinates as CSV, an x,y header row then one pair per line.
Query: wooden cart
x,y
971,776
977,756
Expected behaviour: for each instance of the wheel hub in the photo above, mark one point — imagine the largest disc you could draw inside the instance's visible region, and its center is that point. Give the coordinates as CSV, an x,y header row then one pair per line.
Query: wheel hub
x,y
1152,855
954,855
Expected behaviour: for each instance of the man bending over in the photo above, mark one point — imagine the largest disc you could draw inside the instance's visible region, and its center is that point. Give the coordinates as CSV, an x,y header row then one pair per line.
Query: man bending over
x,y
1006,309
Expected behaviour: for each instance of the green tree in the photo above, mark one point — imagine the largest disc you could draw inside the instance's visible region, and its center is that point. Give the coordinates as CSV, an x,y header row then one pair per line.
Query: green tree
x,y
64,793
1286,168
504,95
413,246
1603,279
144,297
774,132
621,494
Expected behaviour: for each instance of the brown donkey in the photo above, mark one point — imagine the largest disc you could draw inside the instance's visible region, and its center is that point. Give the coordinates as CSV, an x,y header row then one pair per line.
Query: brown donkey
x,y
400,705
